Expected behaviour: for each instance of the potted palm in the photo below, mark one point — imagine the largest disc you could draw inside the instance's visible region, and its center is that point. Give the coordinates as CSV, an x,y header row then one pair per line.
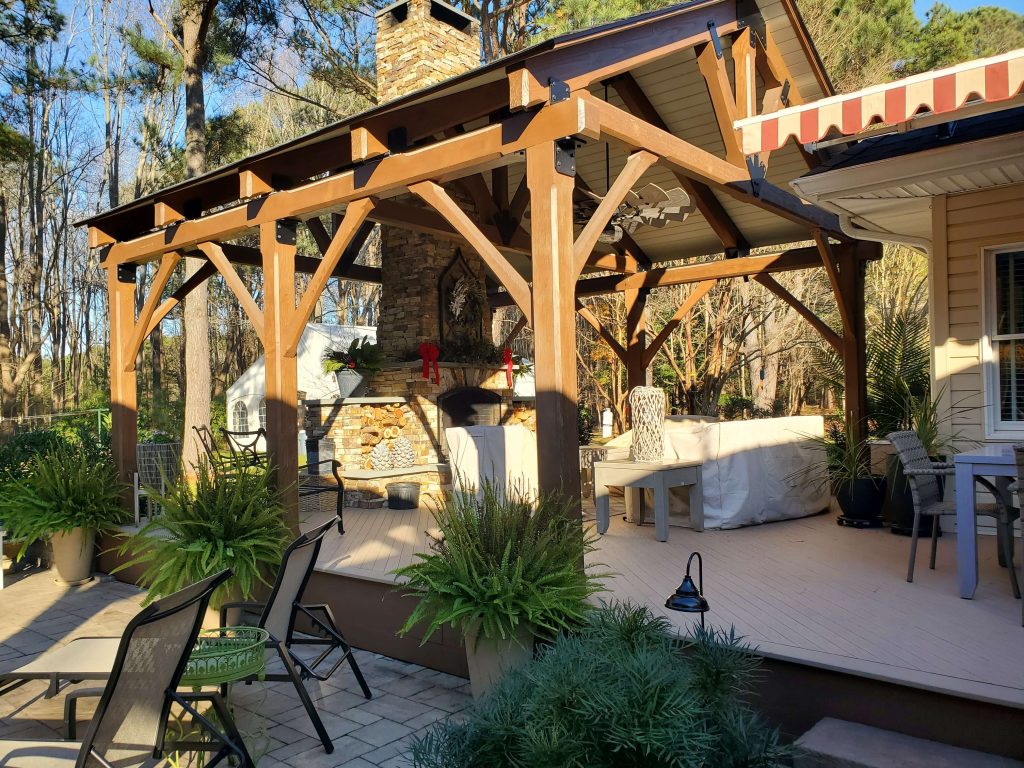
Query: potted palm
x,y
66,494
502,571
859,493
351,366
231,518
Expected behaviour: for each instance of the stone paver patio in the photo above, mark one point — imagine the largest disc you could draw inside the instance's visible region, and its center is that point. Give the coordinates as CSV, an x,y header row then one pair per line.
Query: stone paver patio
x,y
37,614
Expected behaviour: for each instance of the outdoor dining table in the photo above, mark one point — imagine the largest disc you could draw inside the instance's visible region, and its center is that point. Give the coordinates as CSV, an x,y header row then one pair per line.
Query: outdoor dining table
x,y
996,461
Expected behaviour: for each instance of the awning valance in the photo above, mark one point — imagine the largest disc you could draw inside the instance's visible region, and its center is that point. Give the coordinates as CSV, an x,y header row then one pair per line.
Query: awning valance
x,y
994,79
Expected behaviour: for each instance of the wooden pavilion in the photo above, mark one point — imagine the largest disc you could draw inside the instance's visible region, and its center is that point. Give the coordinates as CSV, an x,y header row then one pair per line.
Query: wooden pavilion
x,y
653,97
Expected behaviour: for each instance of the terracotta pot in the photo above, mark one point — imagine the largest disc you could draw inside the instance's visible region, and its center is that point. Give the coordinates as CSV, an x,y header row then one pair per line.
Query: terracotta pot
x,y
73,554
488,658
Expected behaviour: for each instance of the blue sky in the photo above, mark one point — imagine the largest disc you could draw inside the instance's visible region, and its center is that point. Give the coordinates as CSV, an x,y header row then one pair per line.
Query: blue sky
x,y
922,6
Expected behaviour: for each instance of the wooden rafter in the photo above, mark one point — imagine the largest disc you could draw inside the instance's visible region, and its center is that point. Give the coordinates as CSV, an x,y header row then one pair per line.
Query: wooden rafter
x,y
744,56
243,254
834,339
219,259
698,293
521,323
710,208
797,258
614,262
828,260
635,167
436,196
149,307
348,230
585,312
771,65
716,77
520,200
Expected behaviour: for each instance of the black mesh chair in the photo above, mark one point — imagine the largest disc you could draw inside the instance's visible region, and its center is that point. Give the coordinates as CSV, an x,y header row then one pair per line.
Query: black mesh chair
x,y
279,615
130,724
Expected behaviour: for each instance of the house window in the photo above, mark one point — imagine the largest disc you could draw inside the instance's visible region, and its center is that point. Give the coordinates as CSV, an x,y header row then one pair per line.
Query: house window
x,y
1006,339
240,416
263,413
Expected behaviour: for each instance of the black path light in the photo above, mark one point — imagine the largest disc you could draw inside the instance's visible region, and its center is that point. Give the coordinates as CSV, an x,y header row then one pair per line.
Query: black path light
x,y
689,598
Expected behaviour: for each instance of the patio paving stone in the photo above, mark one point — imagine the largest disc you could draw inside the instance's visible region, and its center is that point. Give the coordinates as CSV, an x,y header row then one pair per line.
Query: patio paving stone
x,y
40,614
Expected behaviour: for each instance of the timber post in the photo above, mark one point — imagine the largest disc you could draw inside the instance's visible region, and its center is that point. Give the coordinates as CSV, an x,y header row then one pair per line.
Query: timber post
x,y
852,258
124,419
278,246
636,337
554,320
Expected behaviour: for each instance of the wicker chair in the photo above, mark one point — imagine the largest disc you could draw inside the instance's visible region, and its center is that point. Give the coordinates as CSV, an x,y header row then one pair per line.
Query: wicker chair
x,y
1018,488
130,723
923,474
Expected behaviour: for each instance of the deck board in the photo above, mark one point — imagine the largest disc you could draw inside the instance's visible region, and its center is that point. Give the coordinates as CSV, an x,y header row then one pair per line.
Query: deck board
x,y
803,590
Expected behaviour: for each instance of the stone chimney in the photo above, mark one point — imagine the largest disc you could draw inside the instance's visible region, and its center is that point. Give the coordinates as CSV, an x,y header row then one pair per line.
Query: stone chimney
x,y
420,43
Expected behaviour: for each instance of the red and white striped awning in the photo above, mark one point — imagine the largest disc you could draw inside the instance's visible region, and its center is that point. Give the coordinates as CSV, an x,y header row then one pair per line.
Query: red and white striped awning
x,y
994,79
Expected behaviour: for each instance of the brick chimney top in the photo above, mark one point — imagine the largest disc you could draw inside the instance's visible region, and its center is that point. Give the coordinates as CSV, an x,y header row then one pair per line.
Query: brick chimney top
x,y
420,43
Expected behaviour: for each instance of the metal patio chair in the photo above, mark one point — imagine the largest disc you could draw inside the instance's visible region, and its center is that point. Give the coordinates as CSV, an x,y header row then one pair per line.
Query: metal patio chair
x,y
923,474
130,724
278,616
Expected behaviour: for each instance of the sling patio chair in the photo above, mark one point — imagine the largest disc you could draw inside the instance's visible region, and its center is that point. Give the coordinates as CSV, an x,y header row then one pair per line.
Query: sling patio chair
x,y
923,474
129,727
92,658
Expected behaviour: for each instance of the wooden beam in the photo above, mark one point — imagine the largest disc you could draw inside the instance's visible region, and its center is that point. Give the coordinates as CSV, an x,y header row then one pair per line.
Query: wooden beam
x,y
520,200
215,253
295,321
164,214
123,384
554,325
797,258
439,162
141,328
852,258
635,167
277,244
834,339
699,292
716,77
436,196
710,208
319,232
199,277
614,262
585,312
499,187
744,57
243,254
623,48
98,238
771,65
829,261
521,323
251,184
404,216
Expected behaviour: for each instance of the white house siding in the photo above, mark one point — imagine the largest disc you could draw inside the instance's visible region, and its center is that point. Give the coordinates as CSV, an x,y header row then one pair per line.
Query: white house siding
x,y
963,227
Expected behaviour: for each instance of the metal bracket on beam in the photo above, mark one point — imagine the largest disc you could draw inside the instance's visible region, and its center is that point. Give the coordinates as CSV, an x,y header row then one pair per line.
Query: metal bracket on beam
x,y
757,171
749,14
127,273
558,90
784,95
565,156
285,231
716,41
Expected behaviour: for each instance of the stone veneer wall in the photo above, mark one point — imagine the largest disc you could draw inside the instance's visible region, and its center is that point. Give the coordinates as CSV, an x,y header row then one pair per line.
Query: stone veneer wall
x,y
420,50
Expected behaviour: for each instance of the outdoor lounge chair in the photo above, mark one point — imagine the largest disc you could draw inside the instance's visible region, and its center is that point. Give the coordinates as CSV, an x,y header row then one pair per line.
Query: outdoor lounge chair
x,y
130,723
92,658
923,474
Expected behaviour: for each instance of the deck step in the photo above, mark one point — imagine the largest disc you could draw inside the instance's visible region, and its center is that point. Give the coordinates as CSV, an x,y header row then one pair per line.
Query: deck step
x,y
840,744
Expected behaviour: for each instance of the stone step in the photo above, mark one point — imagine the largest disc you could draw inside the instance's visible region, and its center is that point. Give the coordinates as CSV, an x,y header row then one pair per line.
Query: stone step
x,y
835,743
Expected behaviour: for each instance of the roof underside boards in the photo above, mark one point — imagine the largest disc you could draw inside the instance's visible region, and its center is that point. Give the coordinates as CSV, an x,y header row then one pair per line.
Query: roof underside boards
x,y
673,84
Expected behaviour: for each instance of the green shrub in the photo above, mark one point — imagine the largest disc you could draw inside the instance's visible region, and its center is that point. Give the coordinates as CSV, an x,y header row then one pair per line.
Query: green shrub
x,y
361,355
61,488
500,563
623,692
230,519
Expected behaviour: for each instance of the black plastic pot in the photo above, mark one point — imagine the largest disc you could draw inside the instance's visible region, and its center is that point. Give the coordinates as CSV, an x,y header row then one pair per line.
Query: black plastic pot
x,y
861,502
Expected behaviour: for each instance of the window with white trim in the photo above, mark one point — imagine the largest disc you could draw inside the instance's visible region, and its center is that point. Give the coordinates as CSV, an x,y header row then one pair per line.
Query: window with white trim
x,y
1006,338
263,413
240,416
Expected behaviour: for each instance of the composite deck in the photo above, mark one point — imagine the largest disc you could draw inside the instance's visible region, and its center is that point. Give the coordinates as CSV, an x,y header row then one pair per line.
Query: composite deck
x,y
803,590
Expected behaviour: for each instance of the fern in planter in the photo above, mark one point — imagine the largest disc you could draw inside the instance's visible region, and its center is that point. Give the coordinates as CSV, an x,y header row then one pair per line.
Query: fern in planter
x,y
501,563
229,519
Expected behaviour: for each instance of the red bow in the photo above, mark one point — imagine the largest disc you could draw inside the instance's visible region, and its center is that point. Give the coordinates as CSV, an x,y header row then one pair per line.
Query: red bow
x,y
429,353
508,366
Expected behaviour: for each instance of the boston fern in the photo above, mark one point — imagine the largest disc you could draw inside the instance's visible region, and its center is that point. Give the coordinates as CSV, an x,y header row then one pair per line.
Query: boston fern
x,y
622,692
501,563
228,519
63,488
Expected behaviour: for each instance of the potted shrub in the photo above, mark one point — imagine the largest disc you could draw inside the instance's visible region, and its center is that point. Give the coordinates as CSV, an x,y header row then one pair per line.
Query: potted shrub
x,y
623,691
859,493
502,571
351,366
227,519
66,494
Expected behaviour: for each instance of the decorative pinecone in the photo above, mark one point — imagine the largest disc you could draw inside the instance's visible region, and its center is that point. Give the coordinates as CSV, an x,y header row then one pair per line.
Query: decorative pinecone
x,y
380,456
402,453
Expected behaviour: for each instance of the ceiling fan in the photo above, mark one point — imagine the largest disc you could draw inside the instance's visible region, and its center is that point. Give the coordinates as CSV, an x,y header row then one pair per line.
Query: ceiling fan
x,y
649,206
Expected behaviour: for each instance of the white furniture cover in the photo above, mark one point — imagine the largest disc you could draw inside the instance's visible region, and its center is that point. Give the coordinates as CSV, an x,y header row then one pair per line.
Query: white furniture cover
x,y
754,471
507,456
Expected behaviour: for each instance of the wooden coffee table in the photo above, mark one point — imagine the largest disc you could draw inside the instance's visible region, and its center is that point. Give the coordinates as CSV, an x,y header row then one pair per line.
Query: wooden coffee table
x,y
656,475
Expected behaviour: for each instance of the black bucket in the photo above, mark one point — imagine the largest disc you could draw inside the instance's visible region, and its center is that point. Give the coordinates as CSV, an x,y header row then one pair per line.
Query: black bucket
x,y
403,495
